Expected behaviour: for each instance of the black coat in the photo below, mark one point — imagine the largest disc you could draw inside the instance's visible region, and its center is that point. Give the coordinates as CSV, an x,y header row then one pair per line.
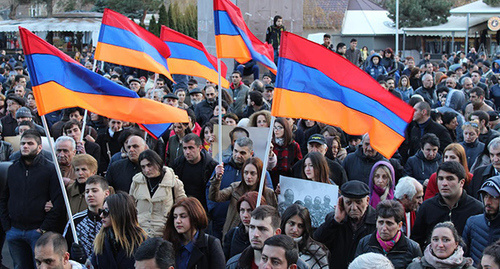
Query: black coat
x,y
430,127
435,210
120,174
401,255
358,166
112,257
207,253
481,174
109,146
28,188
337,172
420,168
235,241
341,239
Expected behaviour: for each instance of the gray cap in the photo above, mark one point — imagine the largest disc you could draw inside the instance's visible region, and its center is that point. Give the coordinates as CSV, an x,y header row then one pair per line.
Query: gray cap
x,y
23,112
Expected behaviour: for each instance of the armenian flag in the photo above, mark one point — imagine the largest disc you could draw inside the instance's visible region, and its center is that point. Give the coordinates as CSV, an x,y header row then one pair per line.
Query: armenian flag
x,y
123,42
317,84
189,57
234,40
61,82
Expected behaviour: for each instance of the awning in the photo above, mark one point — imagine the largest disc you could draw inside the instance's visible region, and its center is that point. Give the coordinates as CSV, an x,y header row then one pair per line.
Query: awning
x,y
478,7
368,23
456,24
53,24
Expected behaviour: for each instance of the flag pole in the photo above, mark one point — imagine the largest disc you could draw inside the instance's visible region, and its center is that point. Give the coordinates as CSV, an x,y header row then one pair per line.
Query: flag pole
x,y
220,106
61,182
266,159
94,66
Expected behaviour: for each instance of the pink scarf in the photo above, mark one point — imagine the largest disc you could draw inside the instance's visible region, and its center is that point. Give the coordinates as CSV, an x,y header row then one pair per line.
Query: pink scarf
x,y
388,245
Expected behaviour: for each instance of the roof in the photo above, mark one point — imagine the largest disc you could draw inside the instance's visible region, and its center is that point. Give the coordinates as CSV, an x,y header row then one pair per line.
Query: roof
x,y
53,24
363,5
478,7
367,23
457,24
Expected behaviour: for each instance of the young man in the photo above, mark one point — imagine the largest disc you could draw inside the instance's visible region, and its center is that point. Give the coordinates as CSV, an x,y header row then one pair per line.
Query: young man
x,y
88,222
279,252
451,203
155,253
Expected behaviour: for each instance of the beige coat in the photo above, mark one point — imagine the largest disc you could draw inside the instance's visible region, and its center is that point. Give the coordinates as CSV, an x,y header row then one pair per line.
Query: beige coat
x,y
152,212
233,194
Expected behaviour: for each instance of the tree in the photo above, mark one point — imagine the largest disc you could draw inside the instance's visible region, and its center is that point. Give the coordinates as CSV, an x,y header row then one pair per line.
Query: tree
x,y
191,16
420,13
154,27
163,16
100,5
493,3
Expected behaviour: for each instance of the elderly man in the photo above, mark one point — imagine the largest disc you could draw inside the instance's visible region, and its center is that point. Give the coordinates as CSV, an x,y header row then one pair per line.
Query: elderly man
x,y
65,148
73,129
409,192
451,203
484,229
9,122
483,173
353,219
120,173
317,143
359,163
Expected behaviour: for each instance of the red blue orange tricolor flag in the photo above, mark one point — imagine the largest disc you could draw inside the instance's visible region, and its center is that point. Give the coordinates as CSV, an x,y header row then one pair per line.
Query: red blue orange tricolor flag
x,y
234,40
123,42
332,90
61,82
188,56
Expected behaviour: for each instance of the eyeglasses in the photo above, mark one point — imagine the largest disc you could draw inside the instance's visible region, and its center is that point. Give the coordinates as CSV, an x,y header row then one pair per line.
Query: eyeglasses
x,y
104,212
278,127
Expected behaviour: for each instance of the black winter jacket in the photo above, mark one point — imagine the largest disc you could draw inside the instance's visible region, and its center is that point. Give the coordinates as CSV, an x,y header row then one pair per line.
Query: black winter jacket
x,y
207,253
235,241
120,174
28,188
358,166
401,255
480,175
429,127
435,210
341,239
420,168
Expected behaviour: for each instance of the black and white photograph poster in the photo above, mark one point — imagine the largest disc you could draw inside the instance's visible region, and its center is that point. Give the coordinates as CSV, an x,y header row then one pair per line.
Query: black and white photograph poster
x,y
320,198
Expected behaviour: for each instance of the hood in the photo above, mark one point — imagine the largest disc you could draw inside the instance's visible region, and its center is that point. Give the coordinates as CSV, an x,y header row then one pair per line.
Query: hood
x,y
374,55
391,168
455,100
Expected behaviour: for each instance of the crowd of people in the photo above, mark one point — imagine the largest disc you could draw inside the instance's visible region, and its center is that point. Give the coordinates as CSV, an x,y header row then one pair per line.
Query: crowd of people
x,y
141,202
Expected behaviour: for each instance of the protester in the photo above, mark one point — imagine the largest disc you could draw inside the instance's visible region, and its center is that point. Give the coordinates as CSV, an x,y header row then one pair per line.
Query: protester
x,y
371,261
51,251
193,248
445,250
316,168
236,239
454,152
120,234
426,161
352,220
381,182
483,173
154,190
84,166
155,253
409,192
287,150
279,251
473,147
484,229
451,204
491,256
251,171
296,223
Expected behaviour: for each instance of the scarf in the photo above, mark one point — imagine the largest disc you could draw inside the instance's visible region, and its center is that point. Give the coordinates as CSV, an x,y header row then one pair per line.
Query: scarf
x,y
232,86
456,259
388,245
379,195
279,141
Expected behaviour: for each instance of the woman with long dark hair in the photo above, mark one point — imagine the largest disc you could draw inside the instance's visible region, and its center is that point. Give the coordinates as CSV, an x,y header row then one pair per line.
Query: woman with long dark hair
x,y
296,223
193,248
251,172
286,149
120,234
316,168
155,189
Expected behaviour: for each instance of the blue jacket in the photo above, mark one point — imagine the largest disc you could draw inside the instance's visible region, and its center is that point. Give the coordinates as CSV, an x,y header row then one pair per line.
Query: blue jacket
x,y
472,150
481,231
375,70
420,168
